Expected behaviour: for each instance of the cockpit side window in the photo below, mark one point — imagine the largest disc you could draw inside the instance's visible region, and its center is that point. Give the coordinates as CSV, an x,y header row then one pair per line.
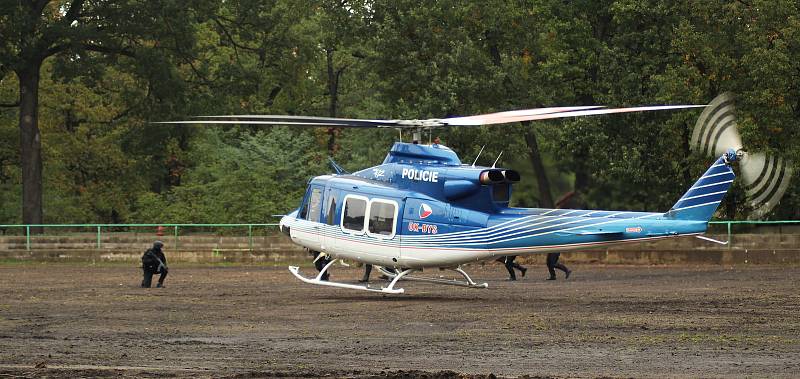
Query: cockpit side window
x,y
303,214
314,205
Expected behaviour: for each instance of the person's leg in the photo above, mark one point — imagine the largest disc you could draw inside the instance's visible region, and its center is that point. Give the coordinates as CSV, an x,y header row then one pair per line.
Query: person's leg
x,y
552,259
367,272
517,266
509,264
147,281
560,266
388,269
320,263
161,278
324,262
565,269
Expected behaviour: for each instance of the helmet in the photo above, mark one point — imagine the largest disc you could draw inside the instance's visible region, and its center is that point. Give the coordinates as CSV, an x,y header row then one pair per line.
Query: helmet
x,y
158,245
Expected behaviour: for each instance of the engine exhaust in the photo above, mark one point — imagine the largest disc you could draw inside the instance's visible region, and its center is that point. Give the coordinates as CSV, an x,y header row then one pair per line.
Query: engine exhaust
x,y
511,176
491,177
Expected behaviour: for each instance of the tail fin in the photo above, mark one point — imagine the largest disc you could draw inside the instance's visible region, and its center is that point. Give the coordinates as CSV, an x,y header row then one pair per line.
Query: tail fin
x,y
701,201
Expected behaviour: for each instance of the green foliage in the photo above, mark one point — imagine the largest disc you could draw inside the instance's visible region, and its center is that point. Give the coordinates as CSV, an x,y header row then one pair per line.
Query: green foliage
x,y
238,177
104,161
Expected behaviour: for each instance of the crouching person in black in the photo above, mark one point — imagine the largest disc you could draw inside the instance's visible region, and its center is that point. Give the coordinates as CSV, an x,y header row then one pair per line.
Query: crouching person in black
x,y
154,262
320,261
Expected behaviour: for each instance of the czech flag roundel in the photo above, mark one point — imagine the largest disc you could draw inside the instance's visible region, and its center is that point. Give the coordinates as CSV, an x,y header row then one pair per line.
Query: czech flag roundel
x,y
425,211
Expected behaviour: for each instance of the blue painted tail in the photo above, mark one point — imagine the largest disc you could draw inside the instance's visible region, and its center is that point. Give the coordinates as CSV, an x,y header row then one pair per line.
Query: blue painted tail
x,y
702,200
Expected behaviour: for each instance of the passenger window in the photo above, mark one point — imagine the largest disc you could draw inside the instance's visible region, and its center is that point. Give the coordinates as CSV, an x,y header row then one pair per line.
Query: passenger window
x,y
353,214
381,218
314,204
331,209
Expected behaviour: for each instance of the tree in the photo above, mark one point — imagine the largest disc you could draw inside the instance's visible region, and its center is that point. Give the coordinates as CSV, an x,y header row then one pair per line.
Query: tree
x,y
239,177
82,34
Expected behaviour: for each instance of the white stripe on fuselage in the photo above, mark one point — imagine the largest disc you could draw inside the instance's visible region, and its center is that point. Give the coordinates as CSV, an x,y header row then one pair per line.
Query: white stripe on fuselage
x,y
498,227
522,230
488,233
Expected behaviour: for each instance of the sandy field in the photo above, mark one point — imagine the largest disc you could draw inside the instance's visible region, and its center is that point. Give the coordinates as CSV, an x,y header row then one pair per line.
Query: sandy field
x,y
69,320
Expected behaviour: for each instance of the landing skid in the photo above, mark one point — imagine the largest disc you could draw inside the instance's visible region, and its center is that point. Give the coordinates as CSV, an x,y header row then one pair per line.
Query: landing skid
x,y
451,282
318,280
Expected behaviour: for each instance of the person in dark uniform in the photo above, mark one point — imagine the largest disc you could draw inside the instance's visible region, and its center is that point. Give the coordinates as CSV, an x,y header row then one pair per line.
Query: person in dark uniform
x,y
154,262
511,265
552,265
321,262
367,272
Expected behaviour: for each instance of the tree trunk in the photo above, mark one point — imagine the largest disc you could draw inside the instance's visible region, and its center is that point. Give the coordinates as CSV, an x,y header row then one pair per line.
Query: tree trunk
x,y
582,181
686,136
333,84
333,92
30,144
545,197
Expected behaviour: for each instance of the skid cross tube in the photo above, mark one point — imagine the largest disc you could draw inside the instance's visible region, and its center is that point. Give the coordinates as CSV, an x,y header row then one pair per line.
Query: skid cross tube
x,y
469,283
318,281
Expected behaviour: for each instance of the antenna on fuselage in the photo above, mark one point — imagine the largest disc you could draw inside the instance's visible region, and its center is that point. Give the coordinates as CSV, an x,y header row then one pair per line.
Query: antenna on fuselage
x,y
498,158
416,136
479,155
339,170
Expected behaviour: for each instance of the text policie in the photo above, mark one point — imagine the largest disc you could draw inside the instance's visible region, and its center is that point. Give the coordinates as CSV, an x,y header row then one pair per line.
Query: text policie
x,y
423,175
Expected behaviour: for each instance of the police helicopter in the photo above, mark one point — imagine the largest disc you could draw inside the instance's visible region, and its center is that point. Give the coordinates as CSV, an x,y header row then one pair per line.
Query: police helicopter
x,y
423,208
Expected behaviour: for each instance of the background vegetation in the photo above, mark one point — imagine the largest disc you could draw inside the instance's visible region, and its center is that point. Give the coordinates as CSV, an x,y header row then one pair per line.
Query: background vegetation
x,y
109,68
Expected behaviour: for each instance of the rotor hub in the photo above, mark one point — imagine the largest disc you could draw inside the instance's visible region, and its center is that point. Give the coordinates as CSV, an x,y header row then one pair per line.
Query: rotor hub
x,y
733,156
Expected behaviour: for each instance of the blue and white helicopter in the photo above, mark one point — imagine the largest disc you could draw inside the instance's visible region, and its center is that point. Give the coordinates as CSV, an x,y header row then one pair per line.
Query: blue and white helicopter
x,y
422,208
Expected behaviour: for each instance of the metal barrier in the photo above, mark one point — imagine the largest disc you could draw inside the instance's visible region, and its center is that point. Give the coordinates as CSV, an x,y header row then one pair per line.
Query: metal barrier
x,y
728,224
98,228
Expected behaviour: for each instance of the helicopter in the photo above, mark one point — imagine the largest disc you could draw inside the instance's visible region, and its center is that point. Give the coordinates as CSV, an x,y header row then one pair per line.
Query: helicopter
x,y
423,208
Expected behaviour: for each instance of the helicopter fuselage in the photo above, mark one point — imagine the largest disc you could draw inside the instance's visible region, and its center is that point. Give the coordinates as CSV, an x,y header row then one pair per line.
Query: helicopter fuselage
x,y
423,208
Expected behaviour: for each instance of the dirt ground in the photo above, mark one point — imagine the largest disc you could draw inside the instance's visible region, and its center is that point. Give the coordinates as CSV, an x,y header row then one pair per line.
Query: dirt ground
x,y
613,321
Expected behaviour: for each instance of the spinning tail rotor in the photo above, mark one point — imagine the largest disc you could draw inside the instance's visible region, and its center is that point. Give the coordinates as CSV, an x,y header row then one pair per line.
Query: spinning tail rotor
x,y
766,177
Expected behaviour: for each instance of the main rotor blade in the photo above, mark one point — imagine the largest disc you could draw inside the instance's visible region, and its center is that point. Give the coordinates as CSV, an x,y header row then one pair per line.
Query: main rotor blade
x,y
484,119
502,118
260,122
290,120
510,116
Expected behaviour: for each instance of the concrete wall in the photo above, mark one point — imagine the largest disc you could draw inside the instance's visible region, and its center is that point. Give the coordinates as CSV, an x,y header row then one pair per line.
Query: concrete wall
x,y
128,247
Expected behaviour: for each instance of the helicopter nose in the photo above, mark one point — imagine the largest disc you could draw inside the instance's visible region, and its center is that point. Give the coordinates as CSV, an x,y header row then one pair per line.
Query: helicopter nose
x,y
283,224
